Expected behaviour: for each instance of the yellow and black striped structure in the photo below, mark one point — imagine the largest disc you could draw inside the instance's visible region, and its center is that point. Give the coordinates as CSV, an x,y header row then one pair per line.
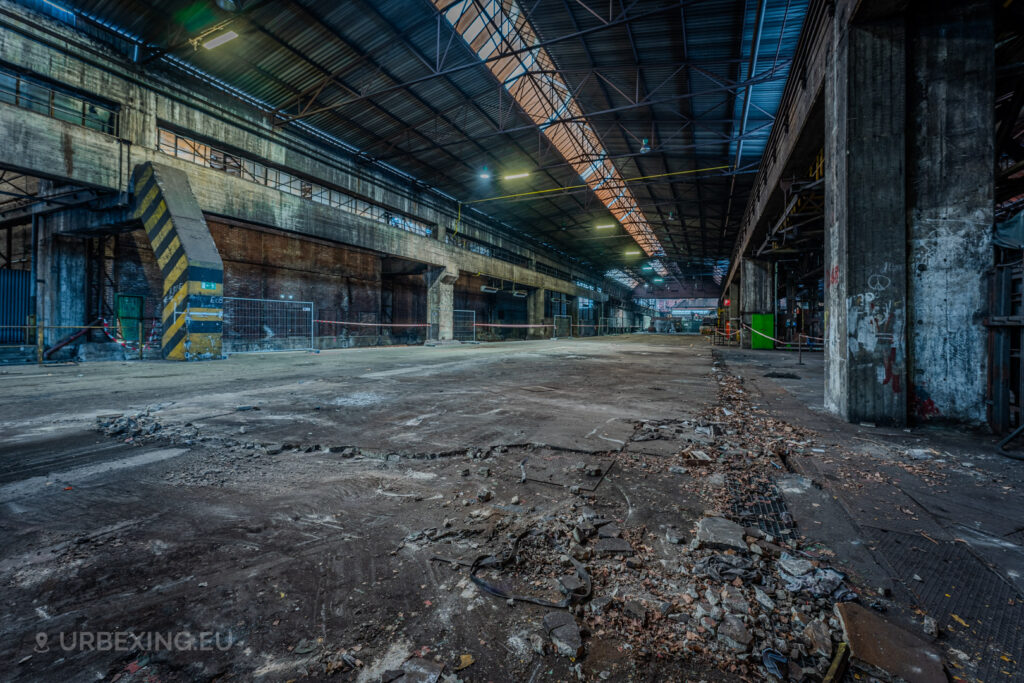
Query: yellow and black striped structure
x,y
193,287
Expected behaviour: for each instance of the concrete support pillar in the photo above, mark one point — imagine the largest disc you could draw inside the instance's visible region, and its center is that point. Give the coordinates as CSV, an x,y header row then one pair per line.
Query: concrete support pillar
x,y
908,213
535,315
440,302
755,293
61,280
865,226
950,206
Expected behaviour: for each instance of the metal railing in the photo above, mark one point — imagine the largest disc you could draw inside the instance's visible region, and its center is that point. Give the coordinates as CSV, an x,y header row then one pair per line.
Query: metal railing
x,y
261,325
464,326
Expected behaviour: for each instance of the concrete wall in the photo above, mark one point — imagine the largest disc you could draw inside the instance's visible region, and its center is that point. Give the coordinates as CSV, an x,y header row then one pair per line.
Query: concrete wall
x,y
950,207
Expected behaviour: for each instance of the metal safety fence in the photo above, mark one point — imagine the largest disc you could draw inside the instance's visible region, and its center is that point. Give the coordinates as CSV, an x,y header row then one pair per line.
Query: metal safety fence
x,y
563,326
464,326
262,325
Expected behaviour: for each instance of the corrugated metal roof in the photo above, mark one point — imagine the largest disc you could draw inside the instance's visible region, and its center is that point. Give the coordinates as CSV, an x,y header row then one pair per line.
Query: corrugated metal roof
x,y
675,73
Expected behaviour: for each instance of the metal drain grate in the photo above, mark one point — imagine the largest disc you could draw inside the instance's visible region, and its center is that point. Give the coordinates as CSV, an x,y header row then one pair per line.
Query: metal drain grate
x,y
758,503
955,582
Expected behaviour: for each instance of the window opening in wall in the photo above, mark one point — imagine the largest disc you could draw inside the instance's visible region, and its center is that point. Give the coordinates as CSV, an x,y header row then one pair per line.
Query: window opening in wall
x,y
196,152
64,105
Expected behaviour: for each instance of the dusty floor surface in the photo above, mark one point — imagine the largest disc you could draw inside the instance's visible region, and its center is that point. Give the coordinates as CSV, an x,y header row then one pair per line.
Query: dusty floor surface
x,y
317,516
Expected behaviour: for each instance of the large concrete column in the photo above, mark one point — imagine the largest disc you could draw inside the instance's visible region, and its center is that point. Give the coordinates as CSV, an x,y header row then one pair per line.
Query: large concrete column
x,y
865,226
755,293
950,206
535,315
61,280
440,302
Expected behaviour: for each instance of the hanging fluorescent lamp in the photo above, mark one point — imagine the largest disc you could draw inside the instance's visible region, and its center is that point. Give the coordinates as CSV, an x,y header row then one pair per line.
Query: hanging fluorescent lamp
x,y
217,41
519,293
516,176
488,289
605,225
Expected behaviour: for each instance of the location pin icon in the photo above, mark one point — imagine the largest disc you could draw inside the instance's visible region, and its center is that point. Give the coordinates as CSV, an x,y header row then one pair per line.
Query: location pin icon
x,y
41,639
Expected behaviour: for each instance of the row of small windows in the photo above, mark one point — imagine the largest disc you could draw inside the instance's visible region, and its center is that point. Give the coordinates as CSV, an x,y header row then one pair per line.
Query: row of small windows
x,y
200,153
32,95
205,155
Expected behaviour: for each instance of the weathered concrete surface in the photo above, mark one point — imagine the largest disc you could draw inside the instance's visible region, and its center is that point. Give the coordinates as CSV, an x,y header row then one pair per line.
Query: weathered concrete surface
x,y
440,301
881,646
950,207
865,233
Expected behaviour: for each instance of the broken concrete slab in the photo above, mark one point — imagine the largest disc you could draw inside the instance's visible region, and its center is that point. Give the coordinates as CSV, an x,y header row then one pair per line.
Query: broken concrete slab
x,y
564,633
718,532
879,646
607,547
734,634
419,670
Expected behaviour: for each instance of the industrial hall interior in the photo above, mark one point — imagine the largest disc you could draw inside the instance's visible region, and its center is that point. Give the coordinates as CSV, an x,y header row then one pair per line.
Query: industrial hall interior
x,y
527,341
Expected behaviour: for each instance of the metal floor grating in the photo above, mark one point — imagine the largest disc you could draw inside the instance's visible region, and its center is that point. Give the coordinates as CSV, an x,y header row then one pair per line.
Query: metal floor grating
x,y
760,504
955,582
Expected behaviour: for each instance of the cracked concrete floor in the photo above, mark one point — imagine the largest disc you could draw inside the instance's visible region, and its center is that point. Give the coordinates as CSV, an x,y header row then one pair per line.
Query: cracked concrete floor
x,y
275,501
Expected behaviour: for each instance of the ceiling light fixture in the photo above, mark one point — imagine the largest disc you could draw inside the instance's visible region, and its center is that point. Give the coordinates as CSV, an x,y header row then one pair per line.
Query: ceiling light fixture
x,y
515,176
485,174
488,289
633,252
645,147
605,225
220,40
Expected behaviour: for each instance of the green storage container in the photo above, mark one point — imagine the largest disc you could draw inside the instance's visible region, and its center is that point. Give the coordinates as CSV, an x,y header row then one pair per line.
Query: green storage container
x,y
765,324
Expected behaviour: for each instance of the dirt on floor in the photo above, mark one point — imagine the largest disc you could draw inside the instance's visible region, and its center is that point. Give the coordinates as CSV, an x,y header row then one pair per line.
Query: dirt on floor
x,y
634,508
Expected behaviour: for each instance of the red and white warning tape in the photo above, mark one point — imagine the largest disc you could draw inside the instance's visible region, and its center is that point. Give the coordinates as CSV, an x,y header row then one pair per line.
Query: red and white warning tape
x,y
349,322
131,346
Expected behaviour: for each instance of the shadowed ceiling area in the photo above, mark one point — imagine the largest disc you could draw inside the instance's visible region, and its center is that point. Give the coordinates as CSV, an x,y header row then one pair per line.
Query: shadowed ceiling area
x,y
648,118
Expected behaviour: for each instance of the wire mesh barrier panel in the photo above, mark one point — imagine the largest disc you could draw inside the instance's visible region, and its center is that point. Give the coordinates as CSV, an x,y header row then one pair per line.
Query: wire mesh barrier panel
x,y
464,326
259,325
563,326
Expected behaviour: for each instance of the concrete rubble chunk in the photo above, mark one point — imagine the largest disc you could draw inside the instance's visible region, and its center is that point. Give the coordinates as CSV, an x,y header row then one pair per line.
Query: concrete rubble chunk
x,y
607,547
763,599
733,600
734,634
820,636
564,633
795,566
877,645
610,530
634,609
718,532
419,670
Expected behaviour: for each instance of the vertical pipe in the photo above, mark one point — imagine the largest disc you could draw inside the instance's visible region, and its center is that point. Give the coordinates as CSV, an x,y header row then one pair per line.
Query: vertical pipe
x,y
35,268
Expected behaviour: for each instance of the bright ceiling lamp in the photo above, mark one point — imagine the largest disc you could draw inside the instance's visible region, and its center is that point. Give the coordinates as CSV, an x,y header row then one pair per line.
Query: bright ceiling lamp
x,y
499,27
633,252
217,41
605,225
516,176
